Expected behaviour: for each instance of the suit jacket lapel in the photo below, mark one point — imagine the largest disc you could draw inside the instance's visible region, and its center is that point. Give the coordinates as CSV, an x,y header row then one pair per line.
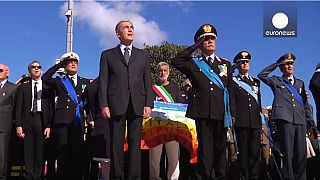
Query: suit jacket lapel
x,y
120,56
29,93
133,55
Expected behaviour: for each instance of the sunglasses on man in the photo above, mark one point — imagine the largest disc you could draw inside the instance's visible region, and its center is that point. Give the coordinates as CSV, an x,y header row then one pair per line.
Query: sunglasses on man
x,y
244,62
36,67
1,70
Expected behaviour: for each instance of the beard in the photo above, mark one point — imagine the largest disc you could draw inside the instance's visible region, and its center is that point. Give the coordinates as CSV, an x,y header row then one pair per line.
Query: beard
x,y
163,79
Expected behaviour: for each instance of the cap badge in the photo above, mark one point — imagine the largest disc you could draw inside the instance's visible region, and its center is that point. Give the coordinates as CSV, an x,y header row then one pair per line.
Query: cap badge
x,y
289,57
207,28
244,54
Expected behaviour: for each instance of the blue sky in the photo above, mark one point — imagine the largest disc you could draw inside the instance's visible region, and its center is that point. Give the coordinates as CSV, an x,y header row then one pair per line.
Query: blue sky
x,y
37,30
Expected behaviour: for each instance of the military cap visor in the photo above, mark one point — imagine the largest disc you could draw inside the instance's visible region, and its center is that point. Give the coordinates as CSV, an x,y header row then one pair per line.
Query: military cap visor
x,y
205,30
242,56
289,57
70,56
207,34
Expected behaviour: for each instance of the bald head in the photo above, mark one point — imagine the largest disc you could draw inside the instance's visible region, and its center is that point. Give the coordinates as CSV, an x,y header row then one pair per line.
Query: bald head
x,y
4,72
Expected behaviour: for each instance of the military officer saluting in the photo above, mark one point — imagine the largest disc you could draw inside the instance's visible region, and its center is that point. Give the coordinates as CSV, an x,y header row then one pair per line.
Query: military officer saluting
x,y
67,116
208,103
290,112
247,107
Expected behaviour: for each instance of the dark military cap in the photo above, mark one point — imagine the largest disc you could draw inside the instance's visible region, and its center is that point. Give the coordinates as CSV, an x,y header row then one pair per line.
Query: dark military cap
x,y
318,66
289,57
205,30
242,56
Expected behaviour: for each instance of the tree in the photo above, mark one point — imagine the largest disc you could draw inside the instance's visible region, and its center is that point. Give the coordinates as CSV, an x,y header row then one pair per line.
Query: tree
x,y
165,53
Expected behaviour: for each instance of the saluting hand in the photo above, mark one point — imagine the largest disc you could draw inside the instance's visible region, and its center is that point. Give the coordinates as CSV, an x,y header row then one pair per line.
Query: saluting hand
x,y
106,112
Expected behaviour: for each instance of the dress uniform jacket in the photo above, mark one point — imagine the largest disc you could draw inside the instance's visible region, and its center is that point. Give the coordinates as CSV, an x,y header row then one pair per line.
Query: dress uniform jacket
x,y
285,106
65,106
206,99
247,109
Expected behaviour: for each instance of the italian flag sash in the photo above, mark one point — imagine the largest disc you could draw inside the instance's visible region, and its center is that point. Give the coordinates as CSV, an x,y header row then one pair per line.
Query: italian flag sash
x,y
163,93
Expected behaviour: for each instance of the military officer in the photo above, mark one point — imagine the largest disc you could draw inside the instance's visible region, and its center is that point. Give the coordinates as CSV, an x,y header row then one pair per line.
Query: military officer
x,y
290,112
67,127
210,76
247,99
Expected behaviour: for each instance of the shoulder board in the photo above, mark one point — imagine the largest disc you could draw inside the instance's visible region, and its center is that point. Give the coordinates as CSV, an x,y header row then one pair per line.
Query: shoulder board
x,y
222,58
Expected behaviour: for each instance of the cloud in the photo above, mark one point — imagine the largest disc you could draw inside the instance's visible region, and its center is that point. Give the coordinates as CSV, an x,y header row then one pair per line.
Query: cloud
x,y
102,17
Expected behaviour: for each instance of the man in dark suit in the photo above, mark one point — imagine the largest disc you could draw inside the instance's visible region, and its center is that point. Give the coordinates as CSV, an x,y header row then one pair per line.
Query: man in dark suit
x,y
208,104
7,91
314,87
99,140
34,107
68,116
290,112
247,100
125,95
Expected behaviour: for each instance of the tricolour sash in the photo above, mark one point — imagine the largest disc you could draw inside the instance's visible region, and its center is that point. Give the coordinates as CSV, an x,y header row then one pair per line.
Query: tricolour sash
x,y
248,89
293,91
66,82
163,93
217,81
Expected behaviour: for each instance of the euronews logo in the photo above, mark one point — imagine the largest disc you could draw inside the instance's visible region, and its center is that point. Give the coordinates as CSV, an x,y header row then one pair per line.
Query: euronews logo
x,y
280,23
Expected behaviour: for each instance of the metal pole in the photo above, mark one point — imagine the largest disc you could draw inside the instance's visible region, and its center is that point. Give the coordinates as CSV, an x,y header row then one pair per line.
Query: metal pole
x,y
69,15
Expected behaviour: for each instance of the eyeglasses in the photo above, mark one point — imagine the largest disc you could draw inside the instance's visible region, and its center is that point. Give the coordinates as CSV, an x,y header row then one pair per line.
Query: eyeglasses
x,y
244,62
34,67
1,70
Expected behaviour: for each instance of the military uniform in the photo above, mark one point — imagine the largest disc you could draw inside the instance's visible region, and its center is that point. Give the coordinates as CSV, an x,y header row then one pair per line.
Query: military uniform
x,y
206,105
290,115
66,131
247,119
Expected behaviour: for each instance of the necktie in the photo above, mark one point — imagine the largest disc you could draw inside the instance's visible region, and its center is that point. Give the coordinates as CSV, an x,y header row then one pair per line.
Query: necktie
x,y
246,79
126,54
34,102
0,85
72,81
210,63
291,81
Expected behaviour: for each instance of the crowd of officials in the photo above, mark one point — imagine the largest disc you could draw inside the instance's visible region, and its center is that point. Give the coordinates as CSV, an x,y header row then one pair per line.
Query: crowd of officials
x,y
78,126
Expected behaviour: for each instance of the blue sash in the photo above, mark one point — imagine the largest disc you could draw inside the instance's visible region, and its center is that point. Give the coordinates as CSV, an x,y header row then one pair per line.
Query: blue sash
x,y
217,81
293,91
248,89
66,82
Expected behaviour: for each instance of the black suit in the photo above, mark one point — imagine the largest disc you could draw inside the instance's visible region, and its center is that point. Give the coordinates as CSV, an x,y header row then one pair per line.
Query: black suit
x,y
6,115
66,132
33,125
206,106
99,140
291,118
314,87
126,89
248,126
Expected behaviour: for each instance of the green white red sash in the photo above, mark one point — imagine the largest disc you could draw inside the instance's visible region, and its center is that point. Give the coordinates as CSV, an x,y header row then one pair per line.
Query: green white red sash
x,y
163,93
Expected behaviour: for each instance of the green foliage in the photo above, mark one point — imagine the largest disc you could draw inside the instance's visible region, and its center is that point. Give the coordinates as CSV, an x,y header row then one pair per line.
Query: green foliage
x,y
165,53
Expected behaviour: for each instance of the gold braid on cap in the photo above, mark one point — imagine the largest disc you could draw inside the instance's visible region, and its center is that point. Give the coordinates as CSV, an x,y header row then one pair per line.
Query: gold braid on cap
x,y
72,56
